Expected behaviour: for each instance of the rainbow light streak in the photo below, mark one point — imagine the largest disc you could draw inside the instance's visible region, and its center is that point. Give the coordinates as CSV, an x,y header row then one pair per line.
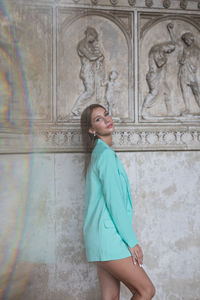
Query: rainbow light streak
x,y
13,226
5,93
13,235
13,61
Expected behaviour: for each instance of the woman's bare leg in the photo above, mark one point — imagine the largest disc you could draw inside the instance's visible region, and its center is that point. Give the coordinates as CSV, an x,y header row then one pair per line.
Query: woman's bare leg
x,y
110,286
133,276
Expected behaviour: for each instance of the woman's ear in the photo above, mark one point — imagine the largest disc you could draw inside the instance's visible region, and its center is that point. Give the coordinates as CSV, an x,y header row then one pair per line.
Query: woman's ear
x,y
92,131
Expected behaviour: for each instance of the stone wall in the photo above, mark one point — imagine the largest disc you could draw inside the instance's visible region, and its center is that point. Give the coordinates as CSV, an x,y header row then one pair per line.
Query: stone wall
x,y
145,69
42,204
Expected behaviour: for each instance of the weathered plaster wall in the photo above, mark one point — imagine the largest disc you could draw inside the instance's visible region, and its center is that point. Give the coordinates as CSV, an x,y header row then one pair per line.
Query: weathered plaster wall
x,y
42,204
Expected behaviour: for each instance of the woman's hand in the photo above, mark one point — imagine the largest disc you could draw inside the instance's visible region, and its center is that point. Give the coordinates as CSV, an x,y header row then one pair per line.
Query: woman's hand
x,y
137,255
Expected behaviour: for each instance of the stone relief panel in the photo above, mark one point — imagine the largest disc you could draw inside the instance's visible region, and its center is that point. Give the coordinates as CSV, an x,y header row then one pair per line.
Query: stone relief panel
x,y
25,68
170,70
57,59
96,65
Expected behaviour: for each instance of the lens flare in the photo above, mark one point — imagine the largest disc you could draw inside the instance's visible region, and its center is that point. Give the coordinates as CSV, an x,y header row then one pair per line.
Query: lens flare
x,y
15,173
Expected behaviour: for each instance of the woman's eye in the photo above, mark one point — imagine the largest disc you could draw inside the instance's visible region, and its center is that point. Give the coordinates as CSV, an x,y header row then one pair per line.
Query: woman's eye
x,y
98,119
106,114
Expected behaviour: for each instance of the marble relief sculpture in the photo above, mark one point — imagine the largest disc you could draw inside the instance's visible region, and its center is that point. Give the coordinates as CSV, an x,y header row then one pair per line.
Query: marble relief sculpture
x,y
189,63
111,91
92,69
98,86
158,57
188,66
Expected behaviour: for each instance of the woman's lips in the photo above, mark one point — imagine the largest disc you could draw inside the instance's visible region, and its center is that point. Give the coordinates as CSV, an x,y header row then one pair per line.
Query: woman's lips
x,y
110,126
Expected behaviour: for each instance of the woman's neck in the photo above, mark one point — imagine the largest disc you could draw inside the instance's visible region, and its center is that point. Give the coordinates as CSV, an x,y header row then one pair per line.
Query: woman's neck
x,y
107,140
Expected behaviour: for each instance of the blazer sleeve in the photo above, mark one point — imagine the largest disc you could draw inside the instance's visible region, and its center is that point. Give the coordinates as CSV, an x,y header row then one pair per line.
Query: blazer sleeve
x,y
110,179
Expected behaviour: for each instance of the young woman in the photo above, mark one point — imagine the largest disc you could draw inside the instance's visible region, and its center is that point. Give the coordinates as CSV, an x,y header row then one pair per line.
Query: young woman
x,y
108,234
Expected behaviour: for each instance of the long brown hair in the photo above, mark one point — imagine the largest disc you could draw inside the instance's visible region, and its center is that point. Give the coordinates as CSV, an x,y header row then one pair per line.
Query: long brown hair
x,y
88,139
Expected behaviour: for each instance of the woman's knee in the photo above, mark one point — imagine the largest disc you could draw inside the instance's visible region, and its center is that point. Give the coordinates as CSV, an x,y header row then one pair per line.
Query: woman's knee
x,y
149,292
110,297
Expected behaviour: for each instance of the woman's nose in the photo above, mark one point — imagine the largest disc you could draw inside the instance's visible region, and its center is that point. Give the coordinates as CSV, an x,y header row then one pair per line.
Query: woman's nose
x,y
108,118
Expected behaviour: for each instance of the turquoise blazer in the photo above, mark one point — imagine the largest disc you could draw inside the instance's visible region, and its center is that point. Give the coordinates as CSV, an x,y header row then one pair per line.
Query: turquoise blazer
x,y
108,207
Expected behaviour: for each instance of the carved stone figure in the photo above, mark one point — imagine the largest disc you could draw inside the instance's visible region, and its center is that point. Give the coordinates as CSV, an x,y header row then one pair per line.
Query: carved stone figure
x,y
92,68
189,63
187,74
112,88
157,61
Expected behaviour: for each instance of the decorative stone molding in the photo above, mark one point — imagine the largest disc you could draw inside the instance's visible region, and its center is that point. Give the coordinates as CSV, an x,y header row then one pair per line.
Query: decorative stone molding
x,y
124,139
191,5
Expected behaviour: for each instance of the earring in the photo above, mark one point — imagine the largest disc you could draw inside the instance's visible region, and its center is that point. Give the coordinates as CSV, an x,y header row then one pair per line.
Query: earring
x,y
94,134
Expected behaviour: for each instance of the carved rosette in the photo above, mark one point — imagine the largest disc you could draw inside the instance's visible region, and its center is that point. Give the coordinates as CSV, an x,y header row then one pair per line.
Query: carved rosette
x,y
149,3
183,4
114,2
166,3
95,2
132,2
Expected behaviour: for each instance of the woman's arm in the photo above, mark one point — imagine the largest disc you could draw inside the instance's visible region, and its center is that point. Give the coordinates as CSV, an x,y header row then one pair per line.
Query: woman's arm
x,y
113,195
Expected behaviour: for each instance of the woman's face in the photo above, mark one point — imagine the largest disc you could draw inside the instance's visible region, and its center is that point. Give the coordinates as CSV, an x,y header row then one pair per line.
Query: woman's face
x,y
102,123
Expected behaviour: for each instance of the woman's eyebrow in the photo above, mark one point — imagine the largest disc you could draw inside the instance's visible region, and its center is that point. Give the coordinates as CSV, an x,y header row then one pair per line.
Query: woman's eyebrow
x,y
99,115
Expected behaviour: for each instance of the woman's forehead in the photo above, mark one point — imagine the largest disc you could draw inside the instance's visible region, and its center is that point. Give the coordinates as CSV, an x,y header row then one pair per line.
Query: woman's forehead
x,y
98,111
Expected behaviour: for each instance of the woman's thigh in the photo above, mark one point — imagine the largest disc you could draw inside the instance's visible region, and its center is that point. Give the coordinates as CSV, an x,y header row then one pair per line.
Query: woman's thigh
x,y
133,276
110,286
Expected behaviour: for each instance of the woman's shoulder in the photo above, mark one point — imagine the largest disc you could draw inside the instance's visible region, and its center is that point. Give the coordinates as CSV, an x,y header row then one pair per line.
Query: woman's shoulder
x,y
102,151
102,147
